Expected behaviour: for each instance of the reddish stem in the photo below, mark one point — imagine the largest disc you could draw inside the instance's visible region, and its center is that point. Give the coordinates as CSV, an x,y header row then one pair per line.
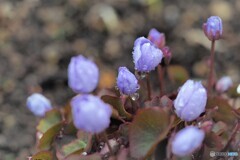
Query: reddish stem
x,y
160,71
235,130
210,76
107,142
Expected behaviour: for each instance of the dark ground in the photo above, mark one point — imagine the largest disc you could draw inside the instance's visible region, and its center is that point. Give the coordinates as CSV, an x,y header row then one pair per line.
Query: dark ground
x,y
37,39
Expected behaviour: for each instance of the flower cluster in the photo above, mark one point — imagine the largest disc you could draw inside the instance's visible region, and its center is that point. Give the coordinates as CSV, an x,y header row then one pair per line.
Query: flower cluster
x,y
185,119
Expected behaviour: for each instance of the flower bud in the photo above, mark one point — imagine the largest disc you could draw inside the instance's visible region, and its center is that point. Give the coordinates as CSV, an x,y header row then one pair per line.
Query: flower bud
x,y
146,55
83,75
213,28
224,84
167,54
157,38
187,140
90,113
206,126
126,81
191,100
38,104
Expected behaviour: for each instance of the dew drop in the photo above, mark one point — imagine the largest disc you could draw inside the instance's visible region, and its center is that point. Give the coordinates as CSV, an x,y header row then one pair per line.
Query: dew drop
x,y
144,67
138,87
143,75
238,89
84,153
116,87
199,124
134,96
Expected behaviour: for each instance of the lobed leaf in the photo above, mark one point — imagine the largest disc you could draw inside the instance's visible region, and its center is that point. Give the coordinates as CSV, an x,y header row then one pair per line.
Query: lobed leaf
x,y
76,146
42,155
117,105
149,127
51,118
224,112
47,138
233,91
212,140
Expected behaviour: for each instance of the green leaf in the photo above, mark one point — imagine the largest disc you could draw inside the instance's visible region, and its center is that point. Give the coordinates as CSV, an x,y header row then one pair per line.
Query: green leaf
x,y
43,155
70,129
233,91
177,73
47,138
161,150
51,118
148,128
116,103
76,146
224,112
86,138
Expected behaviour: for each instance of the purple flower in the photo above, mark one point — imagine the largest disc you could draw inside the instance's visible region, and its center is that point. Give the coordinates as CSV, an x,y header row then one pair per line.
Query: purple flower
x,y
157,38
90,113
213,28
224,84
38,104
83,75
146,55
187,140
126,81
191,100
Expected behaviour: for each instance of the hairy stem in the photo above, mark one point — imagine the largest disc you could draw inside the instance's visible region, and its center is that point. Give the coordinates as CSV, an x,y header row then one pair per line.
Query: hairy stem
x,y
210,76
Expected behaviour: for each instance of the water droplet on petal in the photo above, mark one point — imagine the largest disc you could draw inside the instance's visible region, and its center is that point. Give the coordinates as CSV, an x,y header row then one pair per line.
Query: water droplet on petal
x,y
144,67
134,96
138,87
199,124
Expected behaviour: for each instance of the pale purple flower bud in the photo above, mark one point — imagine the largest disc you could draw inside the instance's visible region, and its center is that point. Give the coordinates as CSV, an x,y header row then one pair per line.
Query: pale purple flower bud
x,y
224,84
213,28
38,104
191,100
146,56
167,54
157,38
187,140
90,113
83,75
126,81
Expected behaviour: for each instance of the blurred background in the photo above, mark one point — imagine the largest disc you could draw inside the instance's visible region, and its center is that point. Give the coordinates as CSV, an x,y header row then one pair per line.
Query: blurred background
x,y
38,38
